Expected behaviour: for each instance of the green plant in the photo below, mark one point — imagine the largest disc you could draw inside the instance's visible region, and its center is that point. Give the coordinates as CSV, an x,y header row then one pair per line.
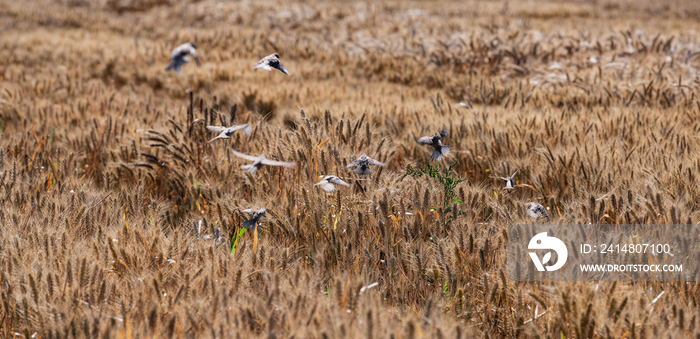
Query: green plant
x,y
449,183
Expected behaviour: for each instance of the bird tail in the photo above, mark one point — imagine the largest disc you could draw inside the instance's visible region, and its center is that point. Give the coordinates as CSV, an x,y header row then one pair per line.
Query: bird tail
x,y
442,153
249,224
363,170
282,69
546,214
250,168
445,150
174,67
543,212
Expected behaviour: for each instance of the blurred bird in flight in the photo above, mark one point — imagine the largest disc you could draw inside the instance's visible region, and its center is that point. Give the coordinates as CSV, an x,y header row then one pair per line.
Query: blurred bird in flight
x,y
180,57
362,163
259,161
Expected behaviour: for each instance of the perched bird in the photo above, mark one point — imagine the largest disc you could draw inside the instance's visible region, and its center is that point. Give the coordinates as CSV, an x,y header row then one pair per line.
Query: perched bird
x,y
328,183
362,163
259,161
227,132
252,223
537,211
179,57
439,150
269,62
509,180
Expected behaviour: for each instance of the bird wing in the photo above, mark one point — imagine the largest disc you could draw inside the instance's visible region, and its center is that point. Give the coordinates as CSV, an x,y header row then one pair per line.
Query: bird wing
x,y
264,63
248,211
178,51
235,128
176,62
222,135
516,172
244,156
279,163
275,63
216,129
188,49
502,178
326,186
425,140
338,181
375,162
353,164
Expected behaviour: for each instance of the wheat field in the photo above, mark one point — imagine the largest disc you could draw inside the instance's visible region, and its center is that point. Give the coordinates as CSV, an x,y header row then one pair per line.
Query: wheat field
x,y
102,158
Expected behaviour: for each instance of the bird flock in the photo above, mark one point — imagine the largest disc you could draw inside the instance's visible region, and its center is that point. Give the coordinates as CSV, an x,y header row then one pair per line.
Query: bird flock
x,y
361,166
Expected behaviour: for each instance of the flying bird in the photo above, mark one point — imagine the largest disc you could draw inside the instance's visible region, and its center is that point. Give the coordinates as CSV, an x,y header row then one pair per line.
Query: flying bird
x,y
328,183
439,150
254,219
537,211
227,132
269,62
509,181
180,57
259,161
362,163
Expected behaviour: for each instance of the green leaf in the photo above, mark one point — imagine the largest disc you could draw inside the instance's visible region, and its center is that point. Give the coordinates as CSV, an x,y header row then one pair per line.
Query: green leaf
x,y
456,201
234,243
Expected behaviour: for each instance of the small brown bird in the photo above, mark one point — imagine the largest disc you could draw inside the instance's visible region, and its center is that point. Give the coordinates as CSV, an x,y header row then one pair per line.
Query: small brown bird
x,y
227,132
259,161
440,151
362,163
179,57
269,62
